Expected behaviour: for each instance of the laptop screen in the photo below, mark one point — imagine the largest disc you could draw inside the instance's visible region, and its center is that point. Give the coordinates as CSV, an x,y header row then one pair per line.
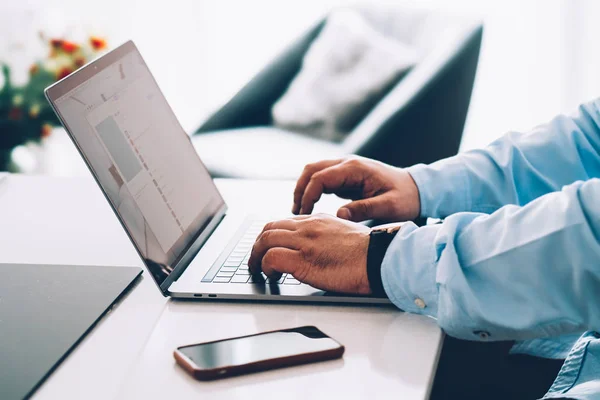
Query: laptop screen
x,y
140,155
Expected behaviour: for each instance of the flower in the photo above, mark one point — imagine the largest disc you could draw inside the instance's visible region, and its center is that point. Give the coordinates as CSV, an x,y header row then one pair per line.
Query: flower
x,y
17,100
56,43
69,47
23,108
46,130
34,69
34,111
15,114
97,43
79,62
63,72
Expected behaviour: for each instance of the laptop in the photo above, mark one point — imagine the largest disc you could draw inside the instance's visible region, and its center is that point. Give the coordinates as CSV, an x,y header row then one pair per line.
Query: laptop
x,y
159,189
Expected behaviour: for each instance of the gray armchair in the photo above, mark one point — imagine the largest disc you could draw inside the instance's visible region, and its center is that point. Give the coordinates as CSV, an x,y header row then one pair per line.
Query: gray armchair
x,y
420,119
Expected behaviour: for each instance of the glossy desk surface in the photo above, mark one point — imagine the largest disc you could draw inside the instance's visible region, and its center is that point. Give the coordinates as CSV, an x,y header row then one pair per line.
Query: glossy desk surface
x,y
129,354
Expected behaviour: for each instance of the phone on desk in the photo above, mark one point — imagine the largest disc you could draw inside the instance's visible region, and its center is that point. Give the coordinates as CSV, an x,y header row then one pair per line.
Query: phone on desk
x,y
259,352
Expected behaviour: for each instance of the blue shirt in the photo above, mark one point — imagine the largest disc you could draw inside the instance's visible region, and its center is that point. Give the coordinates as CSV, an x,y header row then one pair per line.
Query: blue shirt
x,y
517,256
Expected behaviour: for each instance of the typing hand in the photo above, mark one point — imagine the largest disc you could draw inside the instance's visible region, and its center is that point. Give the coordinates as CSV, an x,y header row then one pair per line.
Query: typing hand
x,y
321,250
378,191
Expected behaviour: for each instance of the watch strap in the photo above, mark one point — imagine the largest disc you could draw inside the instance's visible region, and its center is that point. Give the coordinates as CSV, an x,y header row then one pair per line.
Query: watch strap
x,y
379,241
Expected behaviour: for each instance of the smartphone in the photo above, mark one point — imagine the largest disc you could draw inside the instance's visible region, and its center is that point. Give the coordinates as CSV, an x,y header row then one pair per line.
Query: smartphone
x,y
259,352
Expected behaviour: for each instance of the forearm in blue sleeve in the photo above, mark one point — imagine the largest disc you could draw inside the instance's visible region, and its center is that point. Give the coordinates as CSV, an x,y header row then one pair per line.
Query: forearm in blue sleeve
x,y
519,273
515,169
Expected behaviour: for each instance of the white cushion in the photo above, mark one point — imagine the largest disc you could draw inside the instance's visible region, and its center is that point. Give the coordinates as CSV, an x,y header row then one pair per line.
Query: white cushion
x,y
346,67
261,152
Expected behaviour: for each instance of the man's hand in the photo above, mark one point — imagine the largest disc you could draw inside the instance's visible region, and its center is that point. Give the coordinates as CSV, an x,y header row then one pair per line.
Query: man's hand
x,y
323,251
379,191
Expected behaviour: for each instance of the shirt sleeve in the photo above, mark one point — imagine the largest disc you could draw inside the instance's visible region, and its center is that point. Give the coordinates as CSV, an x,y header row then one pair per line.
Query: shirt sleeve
x,y
515,169
519,273
518,255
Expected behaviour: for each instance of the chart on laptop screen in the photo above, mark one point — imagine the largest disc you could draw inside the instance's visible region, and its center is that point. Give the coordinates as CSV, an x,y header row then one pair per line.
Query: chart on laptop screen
x,y
132,138
141,157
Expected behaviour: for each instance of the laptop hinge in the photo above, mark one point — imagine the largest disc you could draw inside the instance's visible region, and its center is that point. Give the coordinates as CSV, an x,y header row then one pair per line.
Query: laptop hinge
x,y
189,255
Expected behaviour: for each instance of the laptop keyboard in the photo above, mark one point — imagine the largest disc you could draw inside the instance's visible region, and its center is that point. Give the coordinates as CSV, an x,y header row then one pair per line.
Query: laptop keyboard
x,y
235,268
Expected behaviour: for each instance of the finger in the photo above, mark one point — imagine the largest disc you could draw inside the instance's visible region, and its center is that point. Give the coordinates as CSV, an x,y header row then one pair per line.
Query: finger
x,y
379,207
279,260
308,171
329,180
268,240
288,224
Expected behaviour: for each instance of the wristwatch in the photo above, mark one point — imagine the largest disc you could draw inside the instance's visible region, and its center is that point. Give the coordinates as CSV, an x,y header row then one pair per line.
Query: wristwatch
x,y
379,241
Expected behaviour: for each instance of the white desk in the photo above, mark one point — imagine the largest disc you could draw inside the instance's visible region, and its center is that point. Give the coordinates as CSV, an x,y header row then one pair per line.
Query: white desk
x,y
129,354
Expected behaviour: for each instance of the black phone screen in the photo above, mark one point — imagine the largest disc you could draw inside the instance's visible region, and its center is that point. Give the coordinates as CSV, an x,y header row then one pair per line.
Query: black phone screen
x,y
261,347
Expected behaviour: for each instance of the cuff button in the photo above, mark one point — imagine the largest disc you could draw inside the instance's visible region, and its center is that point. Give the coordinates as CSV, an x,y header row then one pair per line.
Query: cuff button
x,y
483,335
420,303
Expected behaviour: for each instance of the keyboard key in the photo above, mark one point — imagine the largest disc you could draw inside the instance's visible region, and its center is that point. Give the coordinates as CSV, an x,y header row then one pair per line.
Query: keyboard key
x,y
236,258
243,267
221,280
228,269
243,272
240,278
290,280
226,274
232,263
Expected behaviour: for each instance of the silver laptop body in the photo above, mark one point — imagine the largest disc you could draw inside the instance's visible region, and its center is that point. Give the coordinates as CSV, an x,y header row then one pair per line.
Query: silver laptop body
x,y
162,194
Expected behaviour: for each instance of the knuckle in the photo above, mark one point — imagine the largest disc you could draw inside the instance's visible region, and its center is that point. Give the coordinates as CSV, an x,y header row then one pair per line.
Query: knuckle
x,y
353,162
270,258
306,252
266,236
308,168
268,226
311,229
317,177
317,220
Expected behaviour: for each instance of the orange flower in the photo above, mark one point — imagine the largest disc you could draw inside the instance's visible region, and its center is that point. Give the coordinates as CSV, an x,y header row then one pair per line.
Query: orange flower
x,y
46,130
69,47
64,71
34,69
97,43
79,62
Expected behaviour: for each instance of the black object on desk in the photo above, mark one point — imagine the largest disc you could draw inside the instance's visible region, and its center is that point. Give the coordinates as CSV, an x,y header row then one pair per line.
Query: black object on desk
x,y
45,311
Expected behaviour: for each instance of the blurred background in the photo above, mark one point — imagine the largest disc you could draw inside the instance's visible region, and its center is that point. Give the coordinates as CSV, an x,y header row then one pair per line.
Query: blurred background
x,y
537,57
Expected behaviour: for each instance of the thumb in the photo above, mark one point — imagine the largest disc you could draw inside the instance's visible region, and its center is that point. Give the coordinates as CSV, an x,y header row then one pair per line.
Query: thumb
x,y
359,210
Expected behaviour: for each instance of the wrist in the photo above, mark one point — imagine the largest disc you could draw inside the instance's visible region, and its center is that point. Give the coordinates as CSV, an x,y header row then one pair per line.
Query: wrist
x,y
379,241
406,197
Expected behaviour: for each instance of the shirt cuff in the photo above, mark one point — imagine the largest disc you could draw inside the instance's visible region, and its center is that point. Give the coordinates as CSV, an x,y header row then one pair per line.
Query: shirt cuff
x,y
409,269
443,187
